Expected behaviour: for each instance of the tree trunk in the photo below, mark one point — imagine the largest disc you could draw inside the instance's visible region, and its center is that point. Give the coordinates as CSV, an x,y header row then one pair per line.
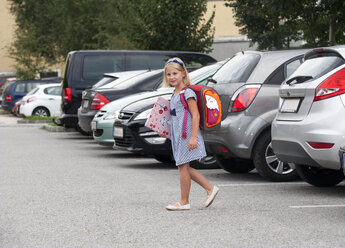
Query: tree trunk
x,y
331,39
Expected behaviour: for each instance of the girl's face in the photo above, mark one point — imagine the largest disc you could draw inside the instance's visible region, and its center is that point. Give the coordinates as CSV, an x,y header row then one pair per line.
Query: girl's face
x,y
174,76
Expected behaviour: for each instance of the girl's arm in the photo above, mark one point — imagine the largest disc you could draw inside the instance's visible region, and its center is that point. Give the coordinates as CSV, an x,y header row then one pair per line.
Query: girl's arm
x,y
193,109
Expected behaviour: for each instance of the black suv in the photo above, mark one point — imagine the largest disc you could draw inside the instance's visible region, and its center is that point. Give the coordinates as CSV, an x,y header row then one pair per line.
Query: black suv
x,y
84,68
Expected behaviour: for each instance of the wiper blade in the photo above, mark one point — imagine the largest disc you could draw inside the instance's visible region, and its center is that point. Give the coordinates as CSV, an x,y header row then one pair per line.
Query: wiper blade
x,y
298,79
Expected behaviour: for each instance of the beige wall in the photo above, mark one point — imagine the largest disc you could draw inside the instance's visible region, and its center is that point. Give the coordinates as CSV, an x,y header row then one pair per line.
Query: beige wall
x,y
7,28
223,21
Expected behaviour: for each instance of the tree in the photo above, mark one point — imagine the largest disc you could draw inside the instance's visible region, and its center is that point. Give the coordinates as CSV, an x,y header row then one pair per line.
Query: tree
x,y
168,24
48,30
275,23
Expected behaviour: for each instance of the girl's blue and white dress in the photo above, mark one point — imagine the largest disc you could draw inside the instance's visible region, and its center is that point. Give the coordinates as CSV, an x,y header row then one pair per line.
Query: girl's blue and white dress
x,y
179,145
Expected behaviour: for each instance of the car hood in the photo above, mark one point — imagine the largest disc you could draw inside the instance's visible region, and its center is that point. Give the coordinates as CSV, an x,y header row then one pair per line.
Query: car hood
x,y
122,102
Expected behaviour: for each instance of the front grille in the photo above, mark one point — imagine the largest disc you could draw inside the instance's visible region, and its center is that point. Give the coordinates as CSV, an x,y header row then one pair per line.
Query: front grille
x,y
127,140
125,115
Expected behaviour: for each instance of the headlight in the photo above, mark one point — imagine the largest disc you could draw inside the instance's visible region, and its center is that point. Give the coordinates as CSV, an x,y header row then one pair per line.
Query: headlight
x,y
112,115
144,115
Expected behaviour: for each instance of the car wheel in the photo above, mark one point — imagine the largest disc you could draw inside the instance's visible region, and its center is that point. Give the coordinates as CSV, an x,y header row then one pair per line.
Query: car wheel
x,y
164,158
41,111
235,165
78,128
208,162
267,163
319,177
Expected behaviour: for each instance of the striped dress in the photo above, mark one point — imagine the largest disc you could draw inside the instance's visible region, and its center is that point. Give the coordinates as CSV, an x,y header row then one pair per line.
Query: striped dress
x,y
179,145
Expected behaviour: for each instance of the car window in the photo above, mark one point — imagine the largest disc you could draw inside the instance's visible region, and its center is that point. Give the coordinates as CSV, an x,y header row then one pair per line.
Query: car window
x,y
31,86
196,60
31,92
318,66
20,88
140,61
292,66
55,90
94,66
237,69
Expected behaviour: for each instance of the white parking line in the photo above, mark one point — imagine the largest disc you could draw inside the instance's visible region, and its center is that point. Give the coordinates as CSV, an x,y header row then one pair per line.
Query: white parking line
x,y
259,184
319,206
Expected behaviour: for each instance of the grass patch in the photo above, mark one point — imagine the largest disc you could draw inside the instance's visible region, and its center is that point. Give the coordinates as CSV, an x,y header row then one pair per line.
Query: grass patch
x,y
4,112
36,117
53,124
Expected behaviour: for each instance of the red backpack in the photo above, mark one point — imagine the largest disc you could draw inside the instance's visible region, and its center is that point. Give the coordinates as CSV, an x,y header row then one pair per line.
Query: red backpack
x,y
209,105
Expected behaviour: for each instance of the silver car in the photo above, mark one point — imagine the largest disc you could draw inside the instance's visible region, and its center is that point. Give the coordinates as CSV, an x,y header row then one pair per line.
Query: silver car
x,y
248,84
309,128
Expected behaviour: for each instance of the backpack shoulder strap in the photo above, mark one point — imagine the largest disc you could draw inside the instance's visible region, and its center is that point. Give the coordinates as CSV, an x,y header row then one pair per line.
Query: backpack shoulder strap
x,y
185,105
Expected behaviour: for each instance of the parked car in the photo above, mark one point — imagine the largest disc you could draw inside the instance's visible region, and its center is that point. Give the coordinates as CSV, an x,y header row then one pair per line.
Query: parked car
x,y
130,133
103,122
84,68
309,127
95,99
4,85
44,100
109,80
15,90
249,84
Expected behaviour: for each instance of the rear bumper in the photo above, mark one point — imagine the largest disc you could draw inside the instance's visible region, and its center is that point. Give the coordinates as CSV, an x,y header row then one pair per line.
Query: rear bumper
x,y
70,120
84,120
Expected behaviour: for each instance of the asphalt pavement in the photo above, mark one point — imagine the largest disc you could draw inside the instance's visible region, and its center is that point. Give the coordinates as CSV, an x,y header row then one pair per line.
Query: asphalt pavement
x,y
61,189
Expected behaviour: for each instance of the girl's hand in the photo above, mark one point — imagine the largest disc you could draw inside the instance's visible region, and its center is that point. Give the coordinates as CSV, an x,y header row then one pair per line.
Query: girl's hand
x,y
192,144
162,135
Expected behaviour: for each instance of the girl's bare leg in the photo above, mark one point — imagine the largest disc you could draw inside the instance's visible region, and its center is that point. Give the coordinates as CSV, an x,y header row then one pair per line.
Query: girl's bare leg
x,y
185,182
197,177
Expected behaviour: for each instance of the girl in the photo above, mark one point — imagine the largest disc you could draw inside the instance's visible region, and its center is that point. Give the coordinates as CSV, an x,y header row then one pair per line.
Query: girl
x,y
192,147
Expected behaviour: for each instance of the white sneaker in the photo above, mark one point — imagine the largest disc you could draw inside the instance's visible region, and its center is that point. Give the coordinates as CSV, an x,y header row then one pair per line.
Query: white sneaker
x,y
210,199
178,207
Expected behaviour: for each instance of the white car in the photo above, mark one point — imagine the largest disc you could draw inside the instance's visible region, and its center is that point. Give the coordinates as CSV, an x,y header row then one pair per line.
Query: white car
x,y
44,100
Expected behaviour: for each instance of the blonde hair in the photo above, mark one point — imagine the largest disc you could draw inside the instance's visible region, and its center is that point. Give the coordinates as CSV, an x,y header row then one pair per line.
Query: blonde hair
x,y
178,64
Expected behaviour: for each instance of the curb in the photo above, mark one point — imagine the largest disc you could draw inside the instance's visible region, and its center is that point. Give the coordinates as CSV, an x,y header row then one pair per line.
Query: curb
x,y
33,121
57,128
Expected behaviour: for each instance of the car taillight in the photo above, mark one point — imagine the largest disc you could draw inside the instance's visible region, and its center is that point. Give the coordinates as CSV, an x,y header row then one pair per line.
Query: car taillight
x,y
332,86
99,101
319,145
243,99
8,98
67,95
31,99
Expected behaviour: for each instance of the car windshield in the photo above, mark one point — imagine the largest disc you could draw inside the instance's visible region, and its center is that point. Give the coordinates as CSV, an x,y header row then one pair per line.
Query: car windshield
x,y
317,66
237,69
134,80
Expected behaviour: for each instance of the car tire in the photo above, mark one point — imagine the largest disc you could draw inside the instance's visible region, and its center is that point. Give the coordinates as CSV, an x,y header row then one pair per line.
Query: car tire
x,y
41,111
167,159
268,165
78,128
319,177
235,165
208,162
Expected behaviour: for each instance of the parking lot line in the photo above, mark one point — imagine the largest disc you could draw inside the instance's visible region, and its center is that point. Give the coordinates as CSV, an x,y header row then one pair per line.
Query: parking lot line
x,y
319,206
259,184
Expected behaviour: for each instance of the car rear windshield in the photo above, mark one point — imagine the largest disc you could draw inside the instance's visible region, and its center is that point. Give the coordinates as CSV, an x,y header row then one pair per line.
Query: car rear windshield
x,y
104,81
137,79
319,65
96,65
237,69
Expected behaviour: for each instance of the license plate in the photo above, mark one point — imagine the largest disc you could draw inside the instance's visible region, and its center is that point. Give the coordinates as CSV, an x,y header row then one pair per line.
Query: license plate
x,y
85,104
118,132
290,105
93,125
